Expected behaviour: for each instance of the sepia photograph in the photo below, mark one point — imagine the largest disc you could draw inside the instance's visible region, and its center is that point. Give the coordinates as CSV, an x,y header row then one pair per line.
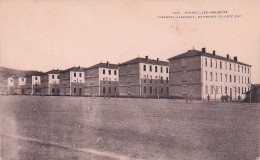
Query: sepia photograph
x,y
129,80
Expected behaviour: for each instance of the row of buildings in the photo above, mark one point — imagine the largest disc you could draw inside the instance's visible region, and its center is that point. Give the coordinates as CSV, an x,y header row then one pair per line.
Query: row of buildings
x,y
193,73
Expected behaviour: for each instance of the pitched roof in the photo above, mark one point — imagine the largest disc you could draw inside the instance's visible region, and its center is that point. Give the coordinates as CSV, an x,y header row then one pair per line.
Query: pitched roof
x,y
104,65
193,53
54,71
73,69
147,61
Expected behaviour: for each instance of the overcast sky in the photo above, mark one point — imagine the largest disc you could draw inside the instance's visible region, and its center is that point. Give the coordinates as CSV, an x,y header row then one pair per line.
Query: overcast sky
x,y
42,35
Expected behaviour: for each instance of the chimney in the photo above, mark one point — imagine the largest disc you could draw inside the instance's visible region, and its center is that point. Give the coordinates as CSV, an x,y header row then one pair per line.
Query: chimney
x,y
157,59
235,58
227,56
203,50
146,58
214,53
107,63
79,67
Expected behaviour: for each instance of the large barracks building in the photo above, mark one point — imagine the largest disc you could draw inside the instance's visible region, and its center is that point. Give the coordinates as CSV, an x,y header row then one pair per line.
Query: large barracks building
x,y
196,74
199,74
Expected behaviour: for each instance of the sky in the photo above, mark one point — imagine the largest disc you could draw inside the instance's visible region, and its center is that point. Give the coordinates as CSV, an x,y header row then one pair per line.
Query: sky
x,y
58,34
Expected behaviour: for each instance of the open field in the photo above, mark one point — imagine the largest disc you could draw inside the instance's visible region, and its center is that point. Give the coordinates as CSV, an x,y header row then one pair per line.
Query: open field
x,y
35,127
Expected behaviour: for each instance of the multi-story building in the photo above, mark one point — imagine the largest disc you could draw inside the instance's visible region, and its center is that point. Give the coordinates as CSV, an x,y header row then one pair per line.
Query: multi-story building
x,y
10,85
72,81
102,80
50,82
200,74
19,84
144,77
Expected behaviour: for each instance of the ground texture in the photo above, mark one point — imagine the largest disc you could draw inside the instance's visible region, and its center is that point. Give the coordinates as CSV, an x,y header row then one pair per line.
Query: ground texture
x,y
34,127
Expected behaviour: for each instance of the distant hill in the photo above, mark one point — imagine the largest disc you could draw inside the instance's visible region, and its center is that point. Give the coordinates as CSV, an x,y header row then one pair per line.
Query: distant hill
x,y
6,72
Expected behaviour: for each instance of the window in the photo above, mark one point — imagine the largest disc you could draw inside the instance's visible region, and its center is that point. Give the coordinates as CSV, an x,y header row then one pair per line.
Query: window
x,y
206,89
248,69
151,68
238,90
80,90
109,90
242,69
229,66
238,79
104,71
206,62
183,62
206,75
114,72
155,68
161,79
144,78
151,79
216,76
167,90
35,78
248,80
11,80
225,90
245,69
210,62
235,79
52,76
58,77
23,79
245,79
216,63
211,76
167,70
167,80
151,90
52,90
245,90
161,69
211,89
109,81
144,67
144,90
220,65
74,74
221,77
104,89
220,89
226,65
230,78
235,67
79,74
75,90
238,68
109,72
58,90
161,90
242,79
242,90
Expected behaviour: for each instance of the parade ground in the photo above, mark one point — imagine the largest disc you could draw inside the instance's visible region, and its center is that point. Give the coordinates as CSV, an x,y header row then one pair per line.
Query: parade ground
x,y
80,128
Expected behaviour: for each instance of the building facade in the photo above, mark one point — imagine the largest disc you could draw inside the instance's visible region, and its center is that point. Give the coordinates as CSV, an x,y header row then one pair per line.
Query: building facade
x,y
72,81
102,80
50,83
144,77
199,74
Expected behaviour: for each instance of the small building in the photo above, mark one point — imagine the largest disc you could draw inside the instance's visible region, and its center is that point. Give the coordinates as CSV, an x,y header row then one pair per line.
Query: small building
x,y
50,83
144,77
72,81
102,80
199,74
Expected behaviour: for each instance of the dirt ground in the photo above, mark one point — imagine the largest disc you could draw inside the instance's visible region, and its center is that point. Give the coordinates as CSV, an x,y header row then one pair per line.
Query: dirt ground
x,y
34,127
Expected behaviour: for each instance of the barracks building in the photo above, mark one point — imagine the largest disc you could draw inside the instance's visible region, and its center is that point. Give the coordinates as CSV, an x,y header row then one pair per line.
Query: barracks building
x,y
196,74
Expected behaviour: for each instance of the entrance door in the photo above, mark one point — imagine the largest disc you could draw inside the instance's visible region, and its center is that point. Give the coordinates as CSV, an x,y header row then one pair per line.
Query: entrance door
x,y
230,93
